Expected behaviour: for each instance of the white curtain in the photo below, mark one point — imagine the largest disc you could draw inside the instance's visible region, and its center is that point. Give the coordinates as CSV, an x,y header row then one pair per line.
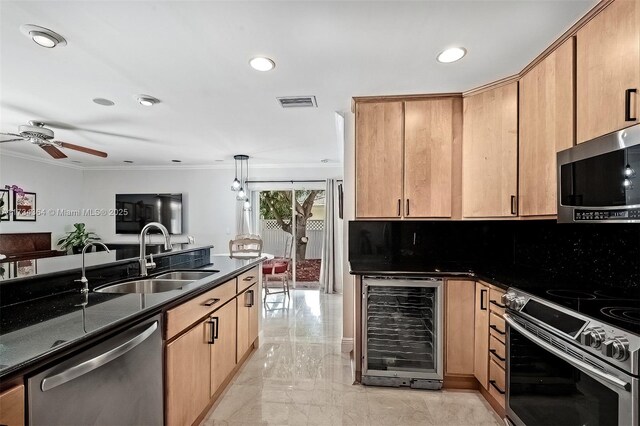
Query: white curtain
x,y
328,268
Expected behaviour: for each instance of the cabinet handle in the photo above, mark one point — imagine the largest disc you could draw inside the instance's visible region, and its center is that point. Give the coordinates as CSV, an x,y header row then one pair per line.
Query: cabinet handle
x,y
514,204
407,207
493,302
399,206
497,330
248,299
210,302
494,352
483,305
213,331
249,278
627,105
493,383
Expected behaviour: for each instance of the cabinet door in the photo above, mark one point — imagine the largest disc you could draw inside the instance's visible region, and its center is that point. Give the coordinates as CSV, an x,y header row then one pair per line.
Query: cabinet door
x,y
379,145
223,348
546,127
242,336
460,297
490,153
254,312
608,64
481,340
188,372
428,127
12,406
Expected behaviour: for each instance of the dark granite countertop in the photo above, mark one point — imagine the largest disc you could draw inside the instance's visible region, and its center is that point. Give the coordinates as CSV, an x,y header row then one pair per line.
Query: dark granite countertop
x,y
29,336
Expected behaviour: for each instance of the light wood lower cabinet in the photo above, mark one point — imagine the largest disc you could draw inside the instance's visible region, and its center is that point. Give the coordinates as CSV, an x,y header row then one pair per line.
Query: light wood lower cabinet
x,y
223,348
247,320
188,375
481,340
12,406
459,326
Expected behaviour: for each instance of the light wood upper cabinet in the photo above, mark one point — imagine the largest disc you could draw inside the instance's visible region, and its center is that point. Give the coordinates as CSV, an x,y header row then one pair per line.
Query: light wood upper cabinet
x,y
405,155
223,349
481,336
460,313
546,127
490,153
608,64
188,375
379,151
428,157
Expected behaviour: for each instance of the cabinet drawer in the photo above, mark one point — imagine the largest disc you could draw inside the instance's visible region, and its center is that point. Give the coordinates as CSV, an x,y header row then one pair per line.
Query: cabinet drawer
x,y
247,279
181,317
497,378
497,351
495,301
497,326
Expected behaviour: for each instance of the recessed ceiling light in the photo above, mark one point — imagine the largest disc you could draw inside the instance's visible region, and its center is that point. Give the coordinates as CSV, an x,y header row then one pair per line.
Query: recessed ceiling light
x,y
147,100
103,101
128,161
43,36
262,64
176,161
452,54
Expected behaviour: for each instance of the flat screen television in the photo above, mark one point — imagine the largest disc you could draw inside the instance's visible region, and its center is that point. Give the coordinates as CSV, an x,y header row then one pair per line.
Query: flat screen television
x,y
134,211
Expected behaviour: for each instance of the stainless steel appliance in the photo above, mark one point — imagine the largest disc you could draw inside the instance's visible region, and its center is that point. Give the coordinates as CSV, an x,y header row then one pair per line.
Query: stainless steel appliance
x,y
573,360
402,332
599,180
117,382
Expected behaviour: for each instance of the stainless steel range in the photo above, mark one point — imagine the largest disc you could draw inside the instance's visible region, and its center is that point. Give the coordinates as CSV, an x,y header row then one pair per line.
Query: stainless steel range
x,y
572,358
402,332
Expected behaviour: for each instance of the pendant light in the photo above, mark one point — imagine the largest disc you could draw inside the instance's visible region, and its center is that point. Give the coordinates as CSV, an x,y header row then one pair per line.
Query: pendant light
x,y
235,186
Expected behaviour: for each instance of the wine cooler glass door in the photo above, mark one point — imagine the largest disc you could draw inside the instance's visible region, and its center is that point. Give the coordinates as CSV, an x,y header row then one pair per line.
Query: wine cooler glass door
x,y
402,325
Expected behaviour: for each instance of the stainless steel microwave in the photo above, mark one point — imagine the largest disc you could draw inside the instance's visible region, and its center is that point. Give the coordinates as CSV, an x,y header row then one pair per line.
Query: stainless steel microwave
x,y
599,180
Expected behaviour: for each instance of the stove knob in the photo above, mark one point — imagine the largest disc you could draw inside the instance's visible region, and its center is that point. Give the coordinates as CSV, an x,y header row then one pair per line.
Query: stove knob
x,y
517,303
592,337
616,348
507,299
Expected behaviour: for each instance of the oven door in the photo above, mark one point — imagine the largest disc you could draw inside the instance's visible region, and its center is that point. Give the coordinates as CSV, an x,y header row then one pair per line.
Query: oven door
x,y
552,382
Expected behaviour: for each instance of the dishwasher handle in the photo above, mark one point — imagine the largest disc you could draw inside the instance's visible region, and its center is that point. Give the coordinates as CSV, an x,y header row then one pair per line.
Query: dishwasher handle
x,y
85,367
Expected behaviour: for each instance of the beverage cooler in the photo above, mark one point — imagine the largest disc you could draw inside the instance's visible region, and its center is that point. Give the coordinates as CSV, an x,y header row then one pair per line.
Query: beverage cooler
x,y
402,332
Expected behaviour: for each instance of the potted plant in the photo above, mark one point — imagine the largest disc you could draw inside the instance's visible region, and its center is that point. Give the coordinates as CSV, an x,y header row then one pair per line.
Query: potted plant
x,y
77,239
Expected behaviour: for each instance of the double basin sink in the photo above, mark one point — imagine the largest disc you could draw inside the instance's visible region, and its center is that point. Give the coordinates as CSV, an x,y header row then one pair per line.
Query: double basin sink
x,y
168,281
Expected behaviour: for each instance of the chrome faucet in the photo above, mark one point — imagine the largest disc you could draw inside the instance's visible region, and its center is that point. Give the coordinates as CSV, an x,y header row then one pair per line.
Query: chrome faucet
x,y
144,265
84,280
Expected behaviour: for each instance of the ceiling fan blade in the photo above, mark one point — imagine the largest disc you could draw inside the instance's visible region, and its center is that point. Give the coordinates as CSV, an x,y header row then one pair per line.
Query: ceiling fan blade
x,y
82,149
53,151
12,140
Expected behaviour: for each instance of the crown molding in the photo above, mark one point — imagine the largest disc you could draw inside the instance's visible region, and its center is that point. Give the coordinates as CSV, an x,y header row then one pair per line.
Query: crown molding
x,y
219,167
57,163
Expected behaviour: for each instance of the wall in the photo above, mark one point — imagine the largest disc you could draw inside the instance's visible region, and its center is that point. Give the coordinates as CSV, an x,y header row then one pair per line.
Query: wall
x,y
211,213
56,187
349,214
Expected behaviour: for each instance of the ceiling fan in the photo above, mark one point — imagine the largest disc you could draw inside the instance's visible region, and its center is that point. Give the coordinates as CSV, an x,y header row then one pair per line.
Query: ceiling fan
x,y
36,133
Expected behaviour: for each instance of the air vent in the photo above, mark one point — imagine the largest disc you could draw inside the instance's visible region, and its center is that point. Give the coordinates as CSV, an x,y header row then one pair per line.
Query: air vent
x,y
297,101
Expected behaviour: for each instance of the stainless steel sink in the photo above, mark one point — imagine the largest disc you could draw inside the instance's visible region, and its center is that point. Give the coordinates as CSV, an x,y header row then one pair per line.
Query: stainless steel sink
x,y
185,275
150,285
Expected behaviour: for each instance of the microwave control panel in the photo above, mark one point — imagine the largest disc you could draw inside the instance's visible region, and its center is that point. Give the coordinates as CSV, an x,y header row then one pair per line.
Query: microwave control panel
x,y
608,215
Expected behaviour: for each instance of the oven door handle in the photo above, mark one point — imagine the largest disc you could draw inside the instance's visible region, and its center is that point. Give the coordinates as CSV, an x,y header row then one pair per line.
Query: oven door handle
x,y
576,363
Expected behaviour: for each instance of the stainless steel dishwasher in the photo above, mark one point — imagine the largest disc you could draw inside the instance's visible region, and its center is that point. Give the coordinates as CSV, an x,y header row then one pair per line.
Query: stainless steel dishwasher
x,y
117,382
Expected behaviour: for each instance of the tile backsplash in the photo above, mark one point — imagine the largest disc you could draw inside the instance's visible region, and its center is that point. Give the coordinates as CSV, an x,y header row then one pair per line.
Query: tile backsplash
x,y
609,253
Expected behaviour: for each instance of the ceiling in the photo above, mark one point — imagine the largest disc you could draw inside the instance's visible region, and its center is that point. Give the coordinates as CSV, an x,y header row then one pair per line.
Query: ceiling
x,y
193,56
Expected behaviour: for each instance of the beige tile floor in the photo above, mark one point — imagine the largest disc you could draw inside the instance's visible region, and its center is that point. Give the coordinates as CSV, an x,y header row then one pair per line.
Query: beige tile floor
x,y
298,376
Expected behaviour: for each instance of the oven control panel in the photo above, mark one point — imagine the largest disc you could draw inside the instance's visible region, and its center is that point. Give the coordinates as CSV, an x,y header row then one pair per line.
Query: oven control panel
x,y
616,346
580,215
